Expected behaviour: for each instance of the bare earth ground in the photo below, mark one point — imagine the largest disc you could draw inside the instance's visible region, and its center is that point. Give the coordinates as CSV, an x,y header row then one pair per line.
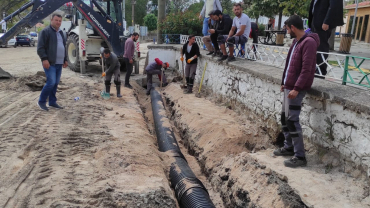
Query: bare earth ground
x,y
93,153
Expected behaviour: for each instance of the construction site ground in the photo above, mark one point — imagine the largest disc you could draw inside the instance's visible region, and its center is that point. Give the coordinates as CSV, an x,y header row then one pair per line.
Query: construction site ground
x,y
103,153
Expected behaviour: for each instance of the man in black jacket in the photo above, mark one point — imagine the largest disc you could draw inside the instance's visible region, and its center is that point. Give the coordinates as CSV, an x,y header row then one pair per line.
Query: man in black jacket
x,y
324,15
51,49
191,51
224,24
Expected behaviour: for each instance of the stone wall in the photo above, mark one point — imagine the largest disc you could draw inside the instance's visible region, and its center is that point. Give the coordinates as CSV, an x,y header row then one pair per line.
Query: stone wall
x,y
334,117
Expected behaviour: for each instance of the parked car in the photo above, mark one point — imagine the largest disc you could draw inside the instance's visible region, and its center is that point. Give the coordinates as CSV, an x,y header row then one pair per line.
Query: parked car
x,y
33,34
11,42
25,40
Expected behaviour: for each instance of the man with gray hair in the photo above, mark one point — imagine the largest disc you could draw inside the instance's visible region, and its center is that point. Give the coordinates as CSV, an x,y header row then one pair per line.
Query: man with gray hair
x,y
51,49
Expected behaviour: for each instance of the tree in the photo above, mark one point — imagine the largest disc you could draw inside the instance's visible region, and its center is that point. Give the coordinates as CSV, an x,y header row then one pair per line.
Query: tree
x,y
196,7
298,7
140,12
150,20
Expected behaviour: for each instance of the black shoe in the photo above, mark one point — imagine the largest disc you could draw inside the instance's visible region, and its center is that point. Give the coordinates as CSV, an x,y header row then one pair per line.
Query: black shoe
x,y
210,53
128,86
118,88
231,58
56,106
284,152
295,162
223,58
43,106
165,85
148,93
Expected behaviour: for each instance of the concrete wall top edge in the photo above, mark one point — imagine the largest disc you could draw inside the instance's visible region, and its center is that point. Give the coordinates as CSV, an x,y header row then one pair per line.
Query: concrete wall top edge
x,y
352,98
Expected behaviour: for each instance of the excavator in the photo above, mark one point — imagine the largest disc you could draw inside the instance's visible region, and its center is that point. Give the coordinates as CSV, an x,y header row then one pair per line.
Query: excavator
x,y
94,24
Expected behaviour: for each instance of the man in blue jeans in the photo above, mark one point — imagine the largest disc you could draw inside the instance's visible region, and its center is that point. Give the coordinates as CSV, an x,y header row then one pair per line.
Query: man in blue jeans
x,y
51,49
209,5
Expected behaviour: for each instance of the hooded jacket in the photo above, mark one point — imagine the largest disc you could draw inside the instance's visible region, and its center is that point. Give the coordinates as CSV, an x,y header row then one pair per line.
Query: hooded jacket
x,y
303,64
224,26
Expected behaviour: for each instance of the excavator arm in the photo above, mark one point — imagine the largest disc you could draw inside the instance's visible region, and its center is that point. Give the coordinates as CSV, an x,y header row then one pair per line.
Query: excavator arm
x,y
109,30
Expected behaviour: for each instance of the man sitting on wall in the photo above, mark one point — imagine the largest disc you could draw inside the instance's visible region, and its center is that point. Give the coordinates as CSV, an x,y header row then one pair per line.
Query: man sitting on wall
x,y
242,23
208,39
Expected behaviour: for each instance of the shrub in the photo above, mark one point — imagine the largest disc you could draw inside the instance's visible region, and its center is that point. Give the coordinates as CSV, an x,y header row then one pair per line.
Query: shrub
x,y
261,30
150,20
184,23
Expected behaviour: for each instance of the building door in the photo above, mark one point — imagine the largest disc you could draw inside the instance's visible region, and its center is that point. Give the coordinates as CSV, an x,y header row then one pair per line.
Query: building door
x,y
364,29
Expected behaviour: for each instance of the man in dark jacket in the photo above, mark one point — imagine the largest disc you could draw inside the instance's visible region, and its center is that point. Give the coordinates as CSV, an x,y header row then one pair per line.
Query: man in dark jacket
x,y
51,49
155,68
191,51
112,66
297,79
324,15
224,24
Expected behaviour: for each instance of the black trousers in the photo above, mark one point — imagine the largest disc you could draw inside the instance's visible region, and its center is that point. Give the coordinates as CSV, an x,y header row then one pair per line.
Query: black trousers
x,y
129,68
214,41
323,47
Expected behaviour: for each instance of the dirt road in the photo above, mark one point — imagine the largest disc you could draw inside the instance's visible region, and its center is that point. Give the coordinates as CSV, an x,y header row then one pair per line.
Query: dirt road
x,y
93,153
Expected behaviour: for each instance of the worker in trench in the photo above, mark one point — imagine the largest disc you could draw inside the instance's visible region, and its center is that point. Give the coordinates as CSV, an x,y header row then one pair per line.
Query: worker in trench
x,y
191,51
112,66
155,68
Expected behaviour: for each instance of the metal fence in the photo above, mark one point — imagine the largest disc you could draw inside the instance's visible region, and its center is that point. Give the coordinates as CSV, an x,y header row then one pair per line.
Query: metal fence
x,y
344,69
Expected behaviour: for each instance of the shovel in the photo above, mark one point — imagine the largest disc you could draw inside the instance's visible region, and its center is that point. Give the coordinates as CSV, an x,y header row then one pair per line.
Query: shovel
x,y
104,94
183,86
161,79
200,87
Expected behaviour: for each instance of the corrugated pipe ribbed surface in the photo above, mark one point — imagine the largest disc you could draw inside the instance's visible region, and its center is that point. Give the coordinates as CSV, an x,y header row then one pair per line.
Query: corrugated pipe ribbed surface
x,y
190,191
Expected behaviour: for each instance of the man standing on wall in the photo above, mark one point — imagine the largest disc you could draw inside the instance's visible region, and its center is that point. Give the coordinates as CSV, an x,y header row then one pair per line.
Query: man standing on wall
x,y
129,57
242,23
209,5
297,79
324,15
191,51
51,49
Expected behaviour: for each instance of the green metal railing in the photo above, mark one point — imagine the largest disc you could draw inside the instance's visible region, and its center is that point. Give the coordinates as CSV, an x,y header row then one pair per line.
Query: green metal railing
x,y
347,77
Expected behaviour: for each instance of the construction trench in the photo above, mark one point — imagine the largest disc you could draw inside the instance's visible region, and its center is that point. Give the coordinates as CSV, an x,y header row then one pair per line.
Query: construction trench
x,y
122,152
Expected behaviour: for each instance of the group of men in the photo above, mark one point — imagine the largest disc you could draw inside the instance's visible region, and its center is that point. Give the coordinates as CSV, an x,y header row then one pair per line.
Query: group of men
x,y
223,30
51,49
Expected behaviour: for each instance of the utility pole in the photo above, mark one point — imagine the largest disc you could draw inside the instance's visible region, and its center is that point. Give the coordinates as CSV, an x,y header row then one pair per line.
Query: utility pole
x,y
133,2
161,16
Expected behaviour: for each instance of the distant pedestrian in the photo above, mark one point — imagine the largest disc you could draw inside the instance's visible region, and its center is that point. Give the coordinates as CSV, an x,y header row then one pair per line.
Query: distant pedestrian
x,y
129,57
324,15
209,5
191,51
51,49
242,25
296,80
155,68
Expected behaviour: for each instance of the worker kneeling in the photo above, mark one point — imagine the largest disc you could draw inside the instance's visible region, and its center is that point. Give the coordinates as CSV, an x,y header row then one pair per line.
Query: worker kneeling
x,y
112,66
155,68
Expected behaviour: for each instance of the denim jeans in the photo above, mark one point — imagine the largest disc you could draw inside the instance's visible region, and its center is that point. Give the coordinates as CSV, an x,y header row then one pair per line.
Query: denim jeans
x,y
52,80
205,26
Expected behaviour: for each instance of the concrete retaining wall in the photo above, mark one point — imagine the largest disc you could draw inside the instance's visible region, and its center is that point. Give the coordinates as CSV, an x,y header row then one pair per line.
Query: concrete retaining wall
x,y
334,117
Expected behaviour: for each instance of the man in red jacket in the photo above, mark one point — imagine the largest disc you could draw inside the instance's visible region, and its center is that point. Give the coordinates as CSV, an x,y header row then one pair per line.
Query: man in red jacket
x,y
155,68
297,78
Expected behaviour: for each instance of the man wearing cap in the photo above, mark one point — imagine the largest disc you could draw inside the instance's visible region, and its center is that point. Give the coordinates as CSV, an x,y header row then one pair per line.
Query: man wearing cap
x,y
155,68
209,5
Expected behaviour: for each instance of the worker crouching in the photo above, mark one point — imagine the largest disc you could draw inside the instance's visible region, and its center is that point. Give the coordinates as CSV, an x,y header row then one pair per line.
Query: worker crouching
x,y
155,68
112,66
191,51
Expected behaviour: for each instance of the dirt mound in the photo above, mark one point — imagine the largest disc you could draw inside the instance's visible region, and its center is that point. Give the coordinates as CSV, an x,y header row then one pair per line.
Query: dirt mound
x,y
4,74
27,83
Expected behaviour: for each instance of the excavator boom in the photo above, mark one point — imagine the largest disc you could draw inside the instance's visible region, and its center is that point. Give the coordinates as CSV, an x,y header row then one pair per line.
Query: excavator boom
x,y
110,31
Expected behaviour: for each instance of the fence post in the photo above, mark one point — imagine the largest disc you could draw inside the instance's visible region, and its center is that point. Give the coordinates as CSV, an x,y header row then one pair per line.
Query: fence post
x,y
345,74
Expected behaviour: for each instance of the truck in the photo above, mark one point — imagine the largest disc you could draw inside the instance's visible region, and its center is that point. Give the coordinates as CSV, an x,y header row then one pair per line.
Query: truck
x,y
93,24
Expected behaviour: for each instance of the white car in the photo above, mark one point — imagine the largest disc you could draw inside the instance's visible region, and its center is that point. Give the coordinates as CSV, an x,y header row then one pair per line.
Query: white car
x,y
11,42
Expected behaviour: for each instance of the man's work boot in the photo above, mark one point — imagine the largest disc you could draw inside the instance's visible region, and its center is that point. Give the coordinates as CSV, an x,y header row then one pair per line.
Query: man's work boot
x,y
210,53
128,86
55,105
187,84
42,106
216,53
224,57
284,152
190,86
107,87
296,162
231,58
118,87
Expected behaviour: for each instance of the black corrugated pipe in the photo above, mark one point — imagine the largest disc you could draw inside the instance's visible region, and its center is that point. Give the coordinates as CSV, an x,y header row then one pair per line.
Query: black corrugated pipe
x,y
190,191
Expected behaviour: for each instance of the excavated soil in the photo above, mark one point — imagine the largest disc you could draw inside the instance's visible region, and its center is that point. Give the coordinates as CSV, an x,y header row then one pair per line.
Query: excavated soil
x,y
93,153
236,156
